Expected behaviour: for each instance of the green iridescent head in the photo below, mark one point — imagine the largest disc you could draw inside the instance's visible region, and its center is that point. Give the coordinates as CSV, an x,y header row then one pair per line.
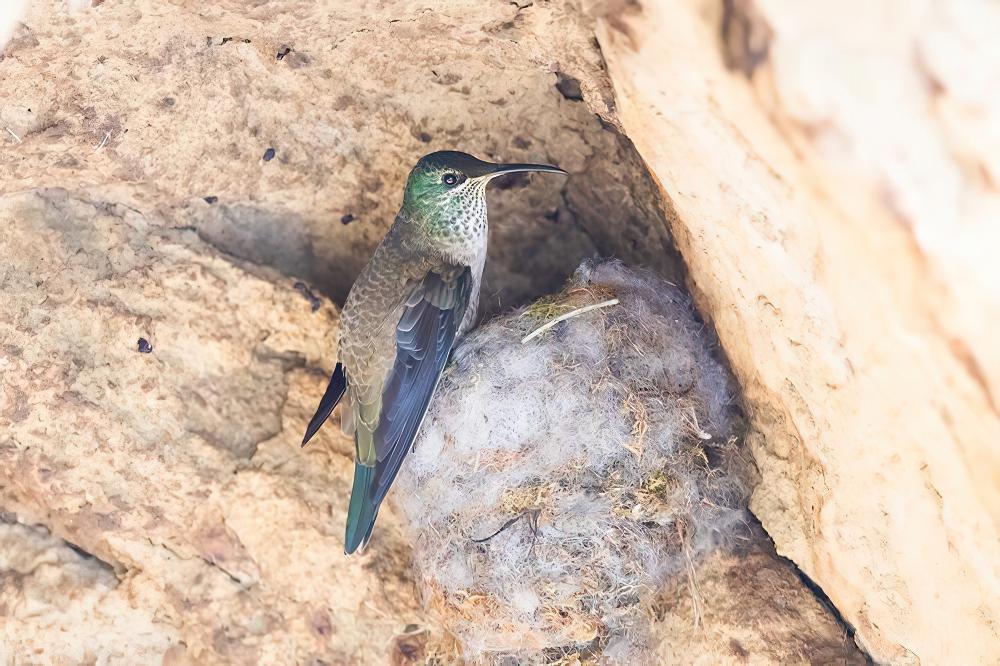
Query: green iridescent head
x,y
449,181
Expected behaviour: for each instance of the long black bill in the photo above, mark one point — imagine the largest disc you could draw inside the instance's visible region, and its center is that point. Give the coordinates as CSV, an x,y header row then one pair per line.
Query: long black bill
x,y
502,169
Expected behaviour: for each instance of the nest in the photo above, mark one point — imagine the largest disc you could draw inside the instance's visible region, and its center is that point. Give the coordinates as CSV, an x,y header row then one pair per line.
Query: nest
x,y
559,482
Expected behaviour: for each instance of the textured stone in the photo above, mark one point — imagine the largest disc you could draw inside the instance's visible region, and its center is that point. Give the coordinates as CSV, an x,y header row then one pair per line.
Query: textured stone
x,y
189,97
180,468
748,606
835,200
58,606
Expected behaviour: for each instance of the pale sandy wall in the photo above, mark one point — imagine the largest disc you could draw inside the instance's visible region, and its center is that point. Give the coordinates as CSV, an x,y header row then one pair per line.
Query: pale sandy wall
x,y
837,213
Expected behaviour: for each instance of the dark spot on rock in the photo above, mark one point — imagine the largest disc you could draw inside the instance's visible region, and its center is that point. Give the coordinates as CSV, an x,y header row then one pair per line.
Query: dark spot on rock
x,y
425,137
321,624
210,199
17,409
746,36
168,102
145,347
308,294
285,50
226,40
446,79
346,218
109,522
80,551
297,59
221,640
269,154
606,125
342,102
552,215
521,142
568,86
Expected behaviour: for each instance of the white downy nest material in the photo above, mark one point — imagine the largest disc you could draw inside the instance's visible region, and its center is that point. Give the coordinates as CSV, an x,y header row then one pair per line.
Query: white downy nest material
x,y
559,482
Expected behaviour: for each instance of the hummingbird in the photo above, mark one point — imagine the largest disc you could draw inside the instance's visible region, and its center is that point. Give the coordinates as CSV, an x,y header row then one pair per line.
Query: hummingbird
x,y
416,297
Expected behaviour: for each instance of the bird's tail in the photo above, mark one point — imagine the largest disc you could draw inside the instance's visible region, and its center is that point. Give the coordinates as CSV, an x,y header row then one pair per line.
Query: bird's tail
x,y
362,511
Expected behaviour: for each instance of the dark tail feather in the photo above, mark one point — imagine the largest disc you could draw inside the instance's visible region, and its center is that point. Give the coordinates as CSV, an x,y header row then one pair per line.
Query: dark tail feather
x,y
335,390
362,511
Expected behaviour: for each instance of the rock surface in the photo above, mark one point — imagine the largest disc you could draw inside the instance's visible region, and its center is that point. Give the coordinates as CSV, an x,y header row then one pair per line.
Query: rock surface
x,y
300,120
747,606
179,469
60,606
835,197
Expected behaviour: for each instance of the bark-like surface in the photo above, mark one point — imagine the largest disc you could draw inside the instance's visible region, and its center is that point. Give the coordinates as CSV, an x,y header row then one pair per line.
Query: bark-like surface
x,y
835,196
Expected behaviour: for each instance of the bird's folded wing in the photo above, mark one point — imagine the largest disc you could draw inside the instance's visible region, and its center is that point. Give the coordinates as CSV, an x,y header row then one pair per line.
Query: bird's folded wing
x,y
425,335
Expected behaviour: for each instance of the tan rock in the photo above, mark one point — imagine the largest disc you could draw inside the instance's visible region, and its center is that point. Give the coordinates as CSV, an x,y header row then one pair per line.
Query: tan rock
x,y
189,96
836,212
58,606
748,607
179,468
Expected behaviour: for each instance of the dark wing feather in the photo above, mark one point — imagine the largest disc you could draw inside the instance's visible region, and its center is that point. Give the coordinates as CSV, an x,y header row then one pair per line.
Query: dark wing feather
x,y
425,335
334,391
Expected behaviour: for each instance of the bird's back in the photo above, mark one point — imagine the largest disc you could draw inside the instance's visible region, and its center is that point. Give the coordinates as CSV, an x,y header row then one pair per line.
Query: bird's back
x,y
407,308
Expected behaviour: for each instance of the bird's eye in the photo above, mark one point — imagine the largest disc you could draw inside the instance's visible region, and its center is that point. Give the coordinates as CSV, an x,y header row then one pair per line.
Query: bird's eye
x,y
449,179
